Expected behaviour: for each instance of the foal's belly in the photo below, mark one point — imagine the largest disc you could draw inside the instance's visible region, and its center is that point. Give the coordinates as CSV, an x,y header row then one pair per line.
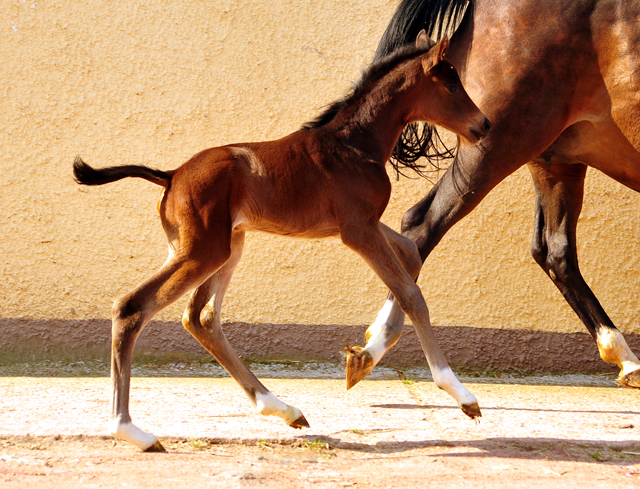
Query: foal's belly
x,y
295,228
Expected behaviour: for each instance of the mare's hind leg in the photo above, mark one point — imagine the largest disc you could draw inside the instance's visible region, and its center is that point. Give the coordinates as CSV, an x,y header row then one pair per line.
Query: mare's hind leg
x,y
130,314
202,319
385,332
559,192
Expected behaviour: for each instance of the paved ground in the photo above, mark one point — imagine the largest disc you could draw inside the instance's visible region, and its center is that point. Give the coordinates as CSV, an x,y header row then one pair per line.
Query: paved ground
x,y
397,430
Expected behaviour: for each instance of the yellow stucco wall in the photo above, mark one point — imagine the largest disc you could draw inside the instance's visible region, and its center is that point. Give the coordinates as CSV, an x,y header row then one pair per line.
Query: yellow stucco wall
x,y
155,81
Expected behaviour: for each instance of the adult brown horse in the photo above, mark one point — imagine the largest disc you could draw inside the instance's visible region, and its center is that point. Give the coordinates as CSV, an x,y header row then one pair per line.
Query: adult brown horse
x,y
327,179
560,79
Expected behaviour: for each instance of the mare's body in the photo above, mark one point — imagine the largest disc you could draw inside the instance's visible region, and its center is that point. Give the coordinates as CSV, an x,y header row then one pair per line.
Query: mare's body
x,y
327,179
560,80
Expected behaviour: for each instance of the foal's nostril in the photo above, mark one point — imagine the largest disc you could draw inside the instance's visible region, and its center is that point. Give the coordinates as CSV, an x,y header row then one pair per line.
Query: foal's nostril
x,y
487,124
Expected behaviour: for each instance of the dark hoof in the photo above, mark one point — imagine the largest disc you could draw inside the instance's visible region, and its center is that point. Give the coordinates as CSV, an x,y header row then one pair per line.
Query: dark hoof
x,y
359,365
472,410
631,380
299,423
156,447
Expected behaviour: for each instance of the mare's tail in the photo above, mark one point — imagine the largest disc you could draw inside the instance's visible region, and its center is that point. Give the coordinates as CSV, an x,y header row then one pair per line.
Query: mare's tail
x,y
86,175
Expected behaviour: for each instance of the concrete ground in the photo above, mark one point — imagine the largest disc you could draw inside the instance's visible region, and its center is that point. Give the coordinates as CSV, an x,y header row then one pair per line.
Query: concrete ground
x,y
395,430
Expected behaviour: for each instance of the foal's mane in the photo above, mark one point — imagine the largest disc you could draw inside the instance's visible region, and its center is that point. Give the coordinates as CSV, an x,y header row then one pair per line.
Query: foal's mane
x,y
370,76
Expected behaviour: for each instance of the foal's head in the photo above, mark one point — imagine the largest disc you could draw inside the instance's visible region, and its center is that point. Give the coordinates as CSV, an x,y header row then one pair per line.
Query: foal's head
x,y
441,98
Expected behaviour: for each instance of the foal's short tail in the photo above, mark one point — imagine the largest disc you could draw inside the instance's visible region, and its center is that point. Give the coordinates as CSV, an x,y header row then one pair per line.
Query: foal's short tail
x,y
86,175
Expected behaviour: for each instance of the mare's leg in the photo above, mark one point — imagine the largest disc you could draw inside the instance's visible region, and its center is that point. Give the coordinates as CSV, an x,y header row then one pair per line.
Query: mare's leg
x,y
130,314
385,332
202,319
559,192
371,243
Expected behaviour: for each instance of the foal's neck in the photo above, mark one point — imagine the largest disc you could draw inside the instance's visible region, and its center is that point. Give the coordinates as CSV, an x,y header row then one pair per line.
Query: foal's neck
x,y
374,124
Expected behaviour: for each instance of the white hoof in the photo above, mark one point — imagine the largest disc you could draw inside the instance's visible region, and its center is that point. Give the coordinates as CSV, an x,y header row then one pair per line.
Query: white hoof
x,y
448,382
270,405
131,433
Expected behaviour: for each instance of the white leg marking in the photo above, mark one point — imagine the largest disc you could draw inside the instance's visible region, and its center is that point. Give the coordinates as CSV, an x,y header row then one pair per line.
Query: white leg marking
x,y
448,382
389,315
270,405
131,433
614,349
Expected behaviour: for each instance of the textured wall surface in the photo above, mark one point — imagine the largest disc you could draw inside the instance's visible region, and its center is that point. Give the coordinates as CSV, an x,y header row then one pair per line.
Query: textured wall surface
x,y
155,81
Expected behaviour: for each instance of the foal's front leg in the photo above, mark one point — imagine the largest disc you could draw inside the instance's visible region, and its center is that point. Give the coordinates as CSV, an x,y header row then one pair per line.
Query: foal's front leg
x,y
385,332
202,319
370,243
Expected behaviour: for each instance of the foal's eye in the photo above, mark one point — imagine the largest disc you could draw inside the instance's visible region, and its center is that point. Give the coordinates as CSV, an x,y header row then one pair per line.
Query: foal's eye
x,y
451,88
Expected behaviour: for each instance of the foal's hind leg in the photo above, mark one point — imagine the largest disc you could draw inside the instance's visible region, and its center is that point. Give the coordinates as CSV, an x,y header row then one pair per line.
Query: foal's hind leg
x,y
559,193
202,320
385,332
130,314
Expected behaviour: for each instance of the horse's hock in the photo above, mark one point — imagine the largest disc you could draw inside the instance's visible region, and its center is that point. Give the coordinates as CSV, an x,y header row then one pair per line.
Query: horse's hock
x,y
74,84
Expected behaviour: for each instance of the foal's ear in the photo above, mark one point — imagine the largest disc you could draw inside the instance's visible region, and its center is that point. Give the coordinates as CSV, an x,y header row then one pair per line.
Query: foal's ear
x,y
435,54
423,41
442,48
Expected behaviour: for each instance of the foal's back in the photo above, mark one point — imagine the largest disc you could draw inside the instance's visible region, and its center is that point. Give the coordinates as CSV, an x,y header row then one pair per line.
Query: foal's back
x,y
299,185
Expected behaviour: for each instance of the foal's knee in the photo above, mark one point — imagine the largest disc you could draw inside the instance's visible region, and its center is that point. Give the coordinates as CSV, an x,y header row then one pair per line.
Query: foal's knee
x,y
412,301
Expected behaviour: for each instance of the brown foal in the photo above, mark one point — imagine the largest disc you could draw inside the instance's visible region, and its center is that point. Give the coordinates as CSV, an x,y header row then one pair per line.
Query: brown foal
x,y
327,179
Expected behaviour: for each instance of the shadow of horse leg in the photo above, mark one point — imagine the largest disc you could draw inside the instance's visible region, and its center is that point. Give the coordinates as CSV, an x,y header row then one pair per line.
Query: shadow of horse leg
x,y
559,193
202,318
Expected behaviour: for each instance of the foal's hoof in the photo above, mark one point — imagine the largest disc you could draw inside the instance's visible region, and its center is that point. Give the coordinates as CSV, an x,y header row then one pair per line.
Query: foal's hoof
x,y
471,410
156,447
299,423
630,380
359,365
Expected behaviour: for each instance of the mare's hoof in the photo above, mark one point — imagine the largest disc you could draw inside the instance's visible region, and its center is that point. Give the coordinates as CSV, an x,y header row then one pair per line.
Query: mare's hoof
x,y
630,380
156,447
299,423
359,365
472,410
